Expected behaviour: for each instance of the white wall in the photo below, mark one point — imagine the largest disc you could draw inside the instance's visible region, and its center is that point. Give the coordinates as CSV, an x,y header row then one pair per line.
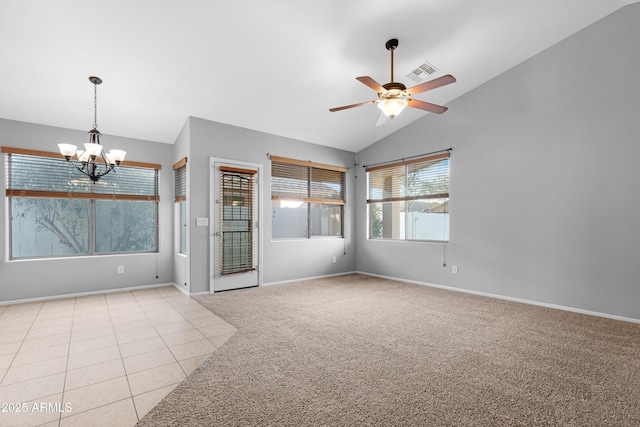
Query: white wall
x,y
26,279
544,172
181,261
283,259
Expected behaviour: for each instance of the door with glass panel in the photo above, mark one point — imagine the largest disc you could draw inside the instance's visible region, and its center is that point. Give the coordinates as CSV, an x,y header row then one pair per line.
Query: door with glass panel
x,y
235,227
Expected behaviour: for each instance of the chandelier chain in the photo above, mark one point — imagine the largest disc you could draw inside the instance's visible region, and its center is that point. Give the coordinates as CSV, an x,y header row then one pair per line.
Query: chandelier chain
x,y
95,106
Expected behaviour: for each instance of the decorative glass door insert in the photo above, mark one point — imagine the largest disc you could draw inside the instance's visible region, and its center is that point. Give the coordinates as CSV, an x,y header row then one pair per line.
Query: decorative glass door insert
x,y
236,220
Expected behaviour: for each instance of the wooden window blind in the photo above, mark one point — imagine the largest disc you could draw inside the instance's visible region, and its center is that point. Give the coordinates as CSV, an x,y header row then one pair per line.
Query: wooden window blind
x,y
180,180
31,173
416,179
308,182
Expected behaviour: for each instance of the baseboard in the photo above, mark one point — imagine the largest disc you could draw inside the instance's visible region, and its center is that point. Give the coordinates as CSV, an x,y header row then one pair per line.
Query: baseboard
x,y
507,298
184,291
84,294
187,293
197,294
283,282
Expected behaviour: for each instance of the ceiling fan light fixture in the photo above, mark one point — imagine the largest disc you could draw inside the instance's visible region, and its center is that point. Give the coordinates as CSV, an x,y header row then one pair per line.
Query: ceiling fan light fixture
x,y
392,107
393,97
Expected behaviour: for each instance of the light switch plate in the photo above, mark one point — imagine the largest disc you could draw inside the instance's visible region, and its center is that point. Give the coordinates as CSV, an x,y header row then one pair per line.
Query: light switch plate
x,y
202,222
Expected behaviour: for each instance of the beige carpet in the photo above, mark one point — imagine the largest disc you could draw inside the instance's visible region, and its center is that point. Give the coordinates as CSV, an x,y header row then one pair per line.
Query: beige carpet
x,y
358,350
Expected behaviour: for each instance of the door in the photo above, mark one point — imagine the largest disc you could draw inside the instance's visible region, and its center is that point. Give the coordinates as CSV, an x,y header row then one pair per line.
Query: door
x,y
235,216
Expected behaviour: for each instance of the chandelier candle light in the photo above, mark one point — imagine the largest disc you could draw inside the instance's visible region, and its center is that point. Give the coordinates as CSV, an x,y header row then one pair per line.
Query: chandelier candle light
x,y
93,161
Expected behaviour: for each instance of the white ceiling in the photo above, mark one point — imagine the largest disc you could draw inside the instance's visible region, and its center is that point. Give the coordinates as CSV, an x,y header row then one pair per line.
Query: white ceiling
x,y
274,66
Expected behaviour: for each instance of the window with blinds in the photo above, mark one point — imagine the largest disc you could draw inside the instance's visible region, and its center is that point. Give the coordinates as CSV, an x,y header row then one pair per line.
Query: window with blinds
x,y
57,211
180,197
409,200
307,199
180,180
34,174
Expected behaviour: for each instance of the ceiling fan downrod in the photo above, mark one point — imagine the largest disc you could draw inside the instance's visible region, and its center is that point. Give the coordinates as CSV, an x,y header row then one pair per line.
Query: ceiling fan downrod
x,y
391,45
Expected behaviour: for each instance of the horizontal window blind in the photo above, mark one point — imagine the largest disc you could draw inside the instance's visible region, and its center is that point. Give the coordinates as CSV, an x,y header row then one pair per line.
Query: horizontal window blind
x,y
57,155
39,175
180,180
307,181
327,184
289,181
416,179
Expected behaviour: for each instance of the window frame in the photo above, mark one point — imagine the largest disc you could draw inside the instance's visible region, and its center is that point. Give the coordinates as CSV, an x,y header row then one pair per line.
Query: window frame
x,y
84,192
312,194
180,198
398,190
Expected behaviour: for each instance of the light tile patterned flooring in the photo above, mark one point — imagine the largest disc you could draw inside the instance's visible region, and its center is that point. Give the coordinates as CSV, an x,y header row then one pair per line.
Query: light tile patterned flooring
x,y
100,360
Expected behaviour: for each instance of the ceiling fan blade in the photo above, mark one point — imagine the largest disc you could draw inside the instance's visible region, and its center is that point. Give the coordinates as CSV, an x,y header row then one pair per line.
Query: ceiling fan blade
x,y
432,84
352,106
426,106
372,84
382,119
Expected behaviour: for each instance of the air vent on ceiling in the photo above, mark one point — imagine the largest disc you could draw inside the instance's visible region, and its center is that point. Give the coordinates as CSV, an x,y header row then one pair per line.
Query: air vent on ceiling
x,y
423,72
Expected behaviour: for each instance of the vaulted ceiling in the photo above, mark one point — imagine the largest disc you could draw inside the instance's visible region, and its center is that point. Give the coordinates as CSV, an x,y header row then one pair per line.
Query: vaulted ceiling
x,y
274,66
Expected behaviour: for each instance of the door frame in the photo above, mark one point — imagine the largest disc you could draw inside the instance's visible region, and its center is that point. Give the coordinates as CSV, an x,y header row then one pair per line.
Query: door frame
x,y
213,208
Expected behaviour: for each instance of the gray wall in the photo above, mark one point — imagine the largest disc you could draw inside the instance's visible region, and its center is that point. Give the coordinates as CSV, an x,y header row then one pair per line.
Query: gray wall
x,y
544,176
542,181
283,260
27,279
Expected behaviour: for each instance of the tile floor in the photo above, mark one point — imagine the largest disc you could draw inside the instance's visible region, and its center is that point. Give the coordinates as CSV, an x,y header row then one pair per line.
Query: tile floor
x,y
100,360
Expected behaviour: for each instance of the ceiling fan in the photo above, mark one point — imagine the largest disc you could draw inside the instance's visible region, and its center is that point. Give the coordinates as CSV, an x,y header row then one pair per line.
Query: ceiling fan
x,y
393,97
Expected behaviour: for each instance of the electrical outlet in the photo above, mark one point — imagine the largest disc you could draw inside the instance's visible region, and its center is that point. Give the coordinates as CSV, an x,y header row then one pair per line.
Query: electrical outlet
x,y
454,269
121,269
334,260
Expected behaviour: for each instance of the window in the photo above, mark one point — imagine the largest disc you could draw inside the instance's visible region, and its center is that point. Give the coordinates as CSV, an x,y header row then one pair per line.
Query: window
x,y
182,224
409,200
307,199
180,192
56,211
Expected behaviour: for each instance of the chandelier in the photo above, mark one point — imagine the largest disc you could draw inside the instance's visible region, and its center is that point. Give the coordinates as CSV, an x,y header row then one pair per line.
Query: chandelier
x,y
93,161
